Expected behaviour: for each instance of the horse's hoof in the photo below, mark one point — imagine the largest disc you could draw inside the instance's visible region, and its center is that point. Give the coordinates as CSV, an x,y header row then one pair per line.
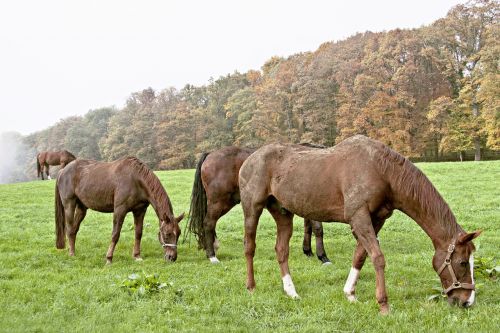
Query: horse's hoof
x,y
214,260
138,259
326,263
351,298
108,262
308,253
384,309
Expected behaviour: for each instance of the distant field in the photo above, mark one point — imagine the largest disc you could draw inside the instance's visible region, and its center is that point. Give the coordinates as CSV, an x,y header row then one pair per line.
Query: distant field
x,y
42,289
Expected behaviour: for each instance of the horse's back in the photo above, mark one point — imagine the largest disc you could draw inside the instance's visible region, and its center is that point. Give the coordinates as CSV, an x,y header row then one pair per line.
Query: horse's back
x,y
319,184
95,183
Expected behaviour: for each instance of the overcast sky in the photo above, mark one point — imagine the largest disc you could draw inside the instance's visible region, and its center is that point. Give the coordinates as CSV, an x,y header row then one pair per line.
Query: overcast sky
x,y
63,58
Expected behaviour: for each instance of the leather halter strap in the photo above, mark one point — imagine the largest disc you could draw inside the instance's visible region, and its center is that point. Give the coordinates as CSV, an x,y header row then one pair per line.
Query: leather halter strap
x,y
455,284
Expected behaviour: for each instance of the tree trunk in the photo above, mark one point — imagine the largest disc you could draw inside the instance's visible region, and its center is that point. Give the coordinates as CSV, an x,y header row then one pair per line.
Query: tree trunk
x,y
477,148
477,141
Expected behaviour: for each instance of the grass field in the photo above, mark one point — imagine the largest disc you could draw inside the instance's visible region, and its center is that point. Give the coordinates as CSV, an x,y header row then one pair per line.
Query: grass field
x,y
44,290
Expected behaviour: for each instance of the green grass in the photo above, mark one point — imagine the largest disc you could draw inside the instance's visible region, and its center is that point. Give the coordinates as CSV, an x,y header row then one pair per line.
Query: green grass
x,y
44,290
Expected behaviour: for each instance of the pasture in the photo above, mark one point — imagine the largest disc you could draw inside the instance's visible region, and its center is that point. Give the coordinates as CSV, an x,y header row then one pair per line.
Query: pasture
x,y
42,289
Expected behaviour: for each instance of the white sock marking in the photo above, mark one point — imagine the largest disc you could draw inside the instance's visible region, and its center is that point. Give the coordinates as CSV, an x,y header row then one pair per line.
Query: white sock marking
x,y
470,301
350,284
214,260
289,287
48,177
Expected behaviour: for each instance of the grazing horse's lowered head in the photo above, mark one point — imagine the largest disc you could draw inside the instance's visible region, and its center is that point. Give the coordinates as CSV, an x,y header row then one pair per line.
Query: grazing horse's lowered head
x,y
455,268
168,235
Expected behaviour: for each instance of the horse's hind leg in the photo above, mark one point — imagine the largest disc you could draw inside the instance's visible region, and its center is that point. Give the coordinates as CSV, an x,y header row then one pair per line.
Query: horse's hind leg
x,y
80,212
320,248
69,216
358,260
118,217
363,229
214,212
252,215
47,170
311,226
138,222
306,244
284,224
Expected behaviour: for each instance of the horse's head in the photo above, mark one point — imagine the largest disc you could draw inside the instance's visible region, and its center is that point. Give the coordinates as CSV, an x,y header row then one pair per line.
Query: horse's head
x,y
455,267
168,235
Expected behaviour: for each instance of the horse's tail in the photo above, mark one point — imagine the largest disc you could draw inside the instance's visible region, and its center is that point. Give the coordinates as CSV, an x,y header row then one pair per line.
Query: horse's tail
x,y
60,223
198,208
38,166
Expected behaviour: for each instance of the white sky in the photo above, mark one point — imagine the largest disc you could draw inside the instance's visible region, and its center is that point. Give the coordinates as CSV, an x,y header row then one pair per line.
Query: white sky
x,y
63,58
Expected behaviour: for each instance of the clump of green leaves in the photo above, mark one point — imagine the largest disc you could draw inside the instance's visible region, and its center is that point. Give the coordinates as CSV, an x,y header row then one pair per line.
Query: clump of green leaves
x,y
142,284
486,268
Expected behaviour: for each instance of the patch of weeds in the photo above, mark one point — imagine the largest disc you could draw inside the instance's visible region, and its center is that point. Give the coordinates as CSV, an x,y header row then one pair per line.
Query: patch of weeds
x,y
142,284
486,268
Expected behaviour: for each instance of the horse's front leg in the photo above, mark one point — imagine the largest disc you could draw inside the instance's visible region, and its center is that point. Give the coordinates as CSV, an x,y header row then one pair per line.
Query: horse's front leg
x,y
118,217
47,170
138,223
284,224
358,260
363,229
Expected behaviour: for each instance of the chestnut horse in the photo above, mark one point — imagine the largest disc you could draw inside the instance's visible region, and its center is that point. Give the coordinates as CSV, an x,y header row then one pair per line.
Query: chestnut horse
x,y
46,158
116,187
360,182
216,192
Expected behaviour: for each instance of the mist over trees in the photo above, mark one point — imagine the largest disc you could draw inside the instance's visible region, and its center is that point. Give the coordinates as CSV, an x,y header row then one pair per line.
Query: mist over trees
x,y
425,92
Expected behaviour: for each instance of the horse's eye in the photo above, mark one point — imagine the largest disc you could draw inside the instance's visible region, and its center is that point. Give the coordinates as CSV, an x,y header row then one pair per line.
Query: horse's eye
x,y
464,263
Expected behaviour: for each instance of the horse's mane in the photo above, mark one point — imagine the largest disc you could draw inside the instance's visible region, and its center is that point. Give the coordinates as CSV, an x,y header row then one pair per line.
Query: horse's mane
x,y
70,154
157,191
407,179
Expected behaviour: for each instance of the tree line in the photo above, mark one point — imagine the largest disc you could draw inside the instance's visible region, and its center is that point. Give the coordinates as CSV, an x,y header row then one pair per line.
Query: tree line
x,y
425,92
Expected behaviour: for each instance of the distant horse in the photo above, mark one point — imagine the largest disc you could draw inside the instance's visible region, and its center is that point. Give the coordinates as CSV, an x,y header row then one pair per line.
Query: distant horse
x,y
360,182
116,187
216,192
46,158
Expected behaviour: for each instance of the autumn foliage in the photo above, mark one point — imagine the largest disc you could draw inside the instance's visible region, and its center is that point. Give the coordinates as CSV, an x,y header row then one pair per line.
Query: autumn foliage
x,y
423,91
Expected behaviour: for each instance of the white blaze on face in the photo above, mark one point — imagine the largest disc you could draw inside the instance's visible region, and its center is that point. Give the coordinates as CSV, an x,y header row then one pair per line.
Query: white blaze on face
x,y
350,284
470,301
289,287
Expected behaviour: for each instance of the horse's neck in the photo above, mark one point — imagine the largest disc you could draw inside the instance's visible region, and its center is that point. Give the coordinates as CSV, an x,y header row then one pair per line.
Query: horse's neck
x,y
160,202
430,212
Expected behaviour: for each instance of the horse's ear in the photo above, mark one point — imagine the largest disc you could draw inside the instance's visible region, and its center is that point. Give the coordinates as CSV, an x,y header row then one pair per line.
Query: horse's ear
x,y
179,218
464,238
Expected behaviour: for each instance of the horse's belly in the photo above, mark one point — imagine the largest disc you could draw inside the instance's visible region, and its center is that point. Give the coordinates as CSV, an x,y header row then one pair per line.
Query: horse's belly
x,y
315,203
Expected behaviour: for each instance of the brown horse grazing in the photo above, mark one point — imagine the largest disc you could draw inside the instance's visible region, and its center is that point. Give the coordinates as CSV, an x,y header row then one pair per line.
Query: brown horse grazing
x,y
216,192
119,187
360,182
46,158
